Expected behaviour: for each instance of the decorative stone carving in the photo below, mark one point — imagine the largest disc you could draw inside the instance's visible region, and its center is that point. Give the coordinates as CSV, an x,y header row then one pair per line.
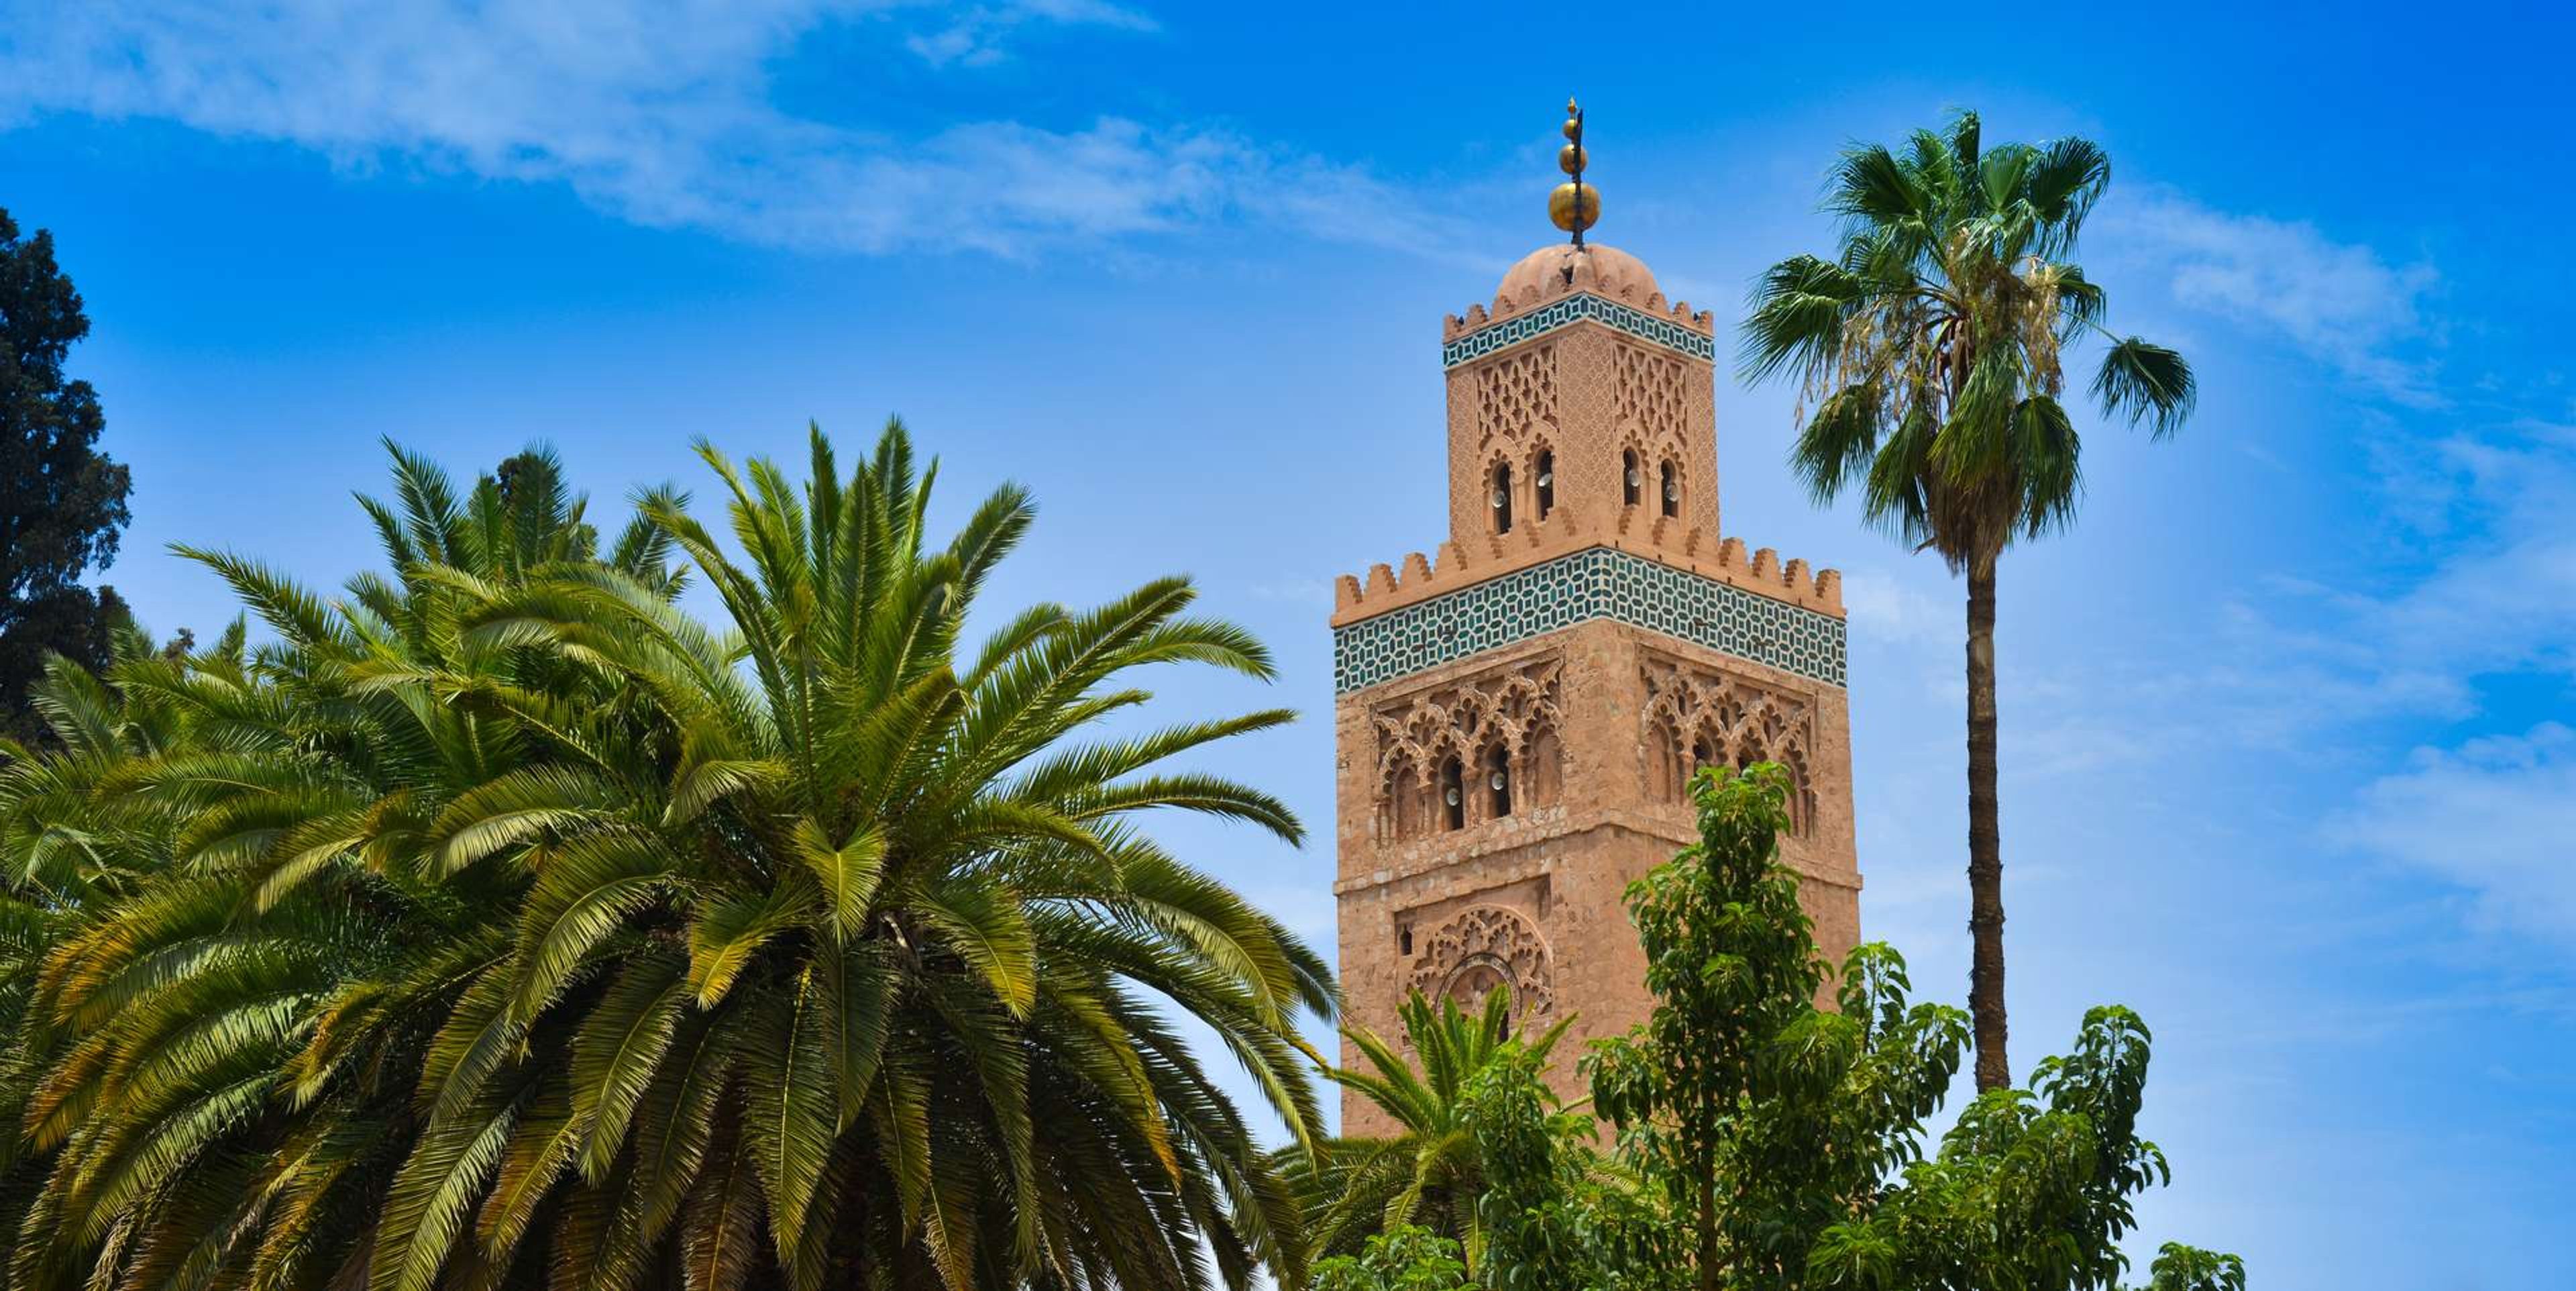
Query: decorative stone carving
x,y
1511,710
1694,716
1653,395
1516,396
1482,948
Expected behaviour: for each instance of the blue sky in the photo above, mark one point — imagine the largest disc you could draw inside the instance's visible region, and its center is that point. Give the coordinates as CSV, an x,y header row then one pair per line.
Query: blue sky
x,y
2288,763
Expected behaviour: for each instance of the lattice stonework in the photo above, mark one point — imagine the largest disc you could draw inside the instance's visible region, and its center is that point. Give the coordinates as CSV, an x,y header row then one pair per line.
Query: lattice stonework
x,y
1651,394
1569,311
1516,395
1601,583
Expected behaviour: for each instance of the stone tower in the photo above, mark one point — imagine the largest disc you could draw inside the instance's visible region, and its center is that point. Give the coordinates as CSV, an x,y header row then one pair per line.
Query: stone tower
x,y
1515,720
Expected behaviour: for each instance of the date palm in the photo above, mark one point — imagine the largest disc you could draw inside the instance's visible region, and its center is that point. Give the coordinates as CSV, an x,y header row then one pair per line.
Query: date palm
x,y
73,844
871,982
535,934
1930,354
251,1015
1430,1171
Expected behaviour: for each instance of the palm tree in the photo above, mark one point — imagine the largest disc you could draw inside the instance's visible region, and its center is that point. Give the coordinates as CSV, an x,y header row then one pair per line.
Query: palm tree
x,y
534,934
252,1017
1430,1171
899,911
73,843
1929,353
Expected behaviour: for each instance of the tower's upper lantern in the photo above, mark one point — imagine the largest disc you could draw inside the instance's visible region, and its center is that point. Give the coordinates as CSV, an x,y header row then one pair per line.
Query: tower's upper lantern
x,y
1582,418
1574,207
1622,290
1581,408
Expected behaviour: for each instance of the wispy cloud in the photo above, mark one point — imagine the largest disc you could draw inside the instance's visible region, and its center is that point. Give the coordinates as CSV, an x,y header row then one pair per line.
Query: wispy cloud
x,y
978,36
2343,303
2496,815
660,113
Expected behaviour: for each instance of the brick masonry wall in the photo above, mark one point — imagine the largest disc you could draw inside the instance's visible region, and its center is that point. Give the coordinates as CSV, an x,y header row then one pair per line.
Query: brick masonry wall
x,y
1561,866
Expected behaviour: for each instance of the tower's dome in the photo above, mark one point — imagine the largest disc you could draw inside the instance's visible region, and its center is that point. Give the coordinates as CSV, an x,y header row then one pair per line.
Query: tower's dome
x,y
1554,270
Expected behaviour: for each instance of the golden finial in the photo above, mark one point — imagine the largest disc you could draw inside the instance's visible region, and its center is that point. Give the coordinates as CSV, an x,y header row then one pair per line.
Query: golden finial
x,y
1575,205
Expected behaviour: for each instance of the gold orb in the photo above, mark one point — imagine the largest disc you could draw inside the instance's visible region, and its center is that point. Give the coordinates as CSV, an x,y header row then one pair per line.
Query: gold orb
x,y
1573,128
1571,158
1561,206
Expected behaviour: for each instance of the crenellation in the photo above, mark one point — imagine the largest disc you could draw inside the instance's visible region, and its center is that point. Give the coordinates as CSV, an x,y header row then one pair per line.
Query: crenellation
x,y
1795,583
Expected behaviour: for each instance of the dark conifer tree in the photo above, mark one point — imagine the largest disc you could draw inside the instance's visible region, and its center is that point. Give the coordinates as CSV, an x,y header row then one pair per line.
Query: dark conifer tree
x,y
61,500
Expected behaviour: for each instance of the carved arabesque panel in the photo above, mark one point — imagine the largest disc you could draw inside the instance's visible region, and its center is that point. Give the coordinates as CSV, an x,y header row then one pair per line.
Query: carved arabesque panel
x,y
1516,396
1696,716
1653,393
1484,947
1511,711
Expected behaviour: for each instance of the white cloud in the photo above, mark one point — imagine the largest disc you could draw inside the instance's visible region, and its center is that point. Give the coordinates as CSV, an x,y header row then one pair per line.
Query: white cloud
x,y
976,37
2340,302
660,114
1884,607
2496,815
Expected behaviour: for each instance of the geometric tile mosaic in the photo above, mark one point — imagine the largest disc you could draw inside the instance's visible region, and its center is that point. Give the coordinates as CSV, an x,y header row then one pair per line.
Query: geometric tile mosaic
x,y
1572,309
1601,583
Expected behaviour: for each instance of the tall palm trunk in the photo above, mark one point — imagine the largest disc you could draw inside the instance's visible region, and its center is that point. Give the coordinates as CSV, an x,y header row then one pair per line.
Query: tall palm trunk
x,y
1985,836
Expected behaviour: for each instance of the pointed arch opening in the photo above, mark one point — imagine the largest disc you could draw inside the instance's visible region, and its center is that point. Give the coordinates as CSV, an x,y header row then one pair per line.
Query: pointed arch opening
x,y
1501,496
1671,490
1542,766
1453,794
1632,482
1544,483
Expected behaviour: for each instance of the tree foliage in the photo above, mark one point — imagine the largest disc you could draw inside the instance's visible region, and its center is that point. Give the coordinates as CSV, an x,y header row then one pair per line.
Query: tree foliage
x,y
1404,1258
1765,1118
499,924
1764,1143
1430,1172
62,501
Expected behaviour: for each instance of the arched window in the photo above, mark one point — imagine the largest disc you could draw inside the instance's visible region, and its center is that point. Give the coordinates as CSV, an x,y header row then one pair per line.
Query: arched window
x,y
1404,799
1498,781
1453,795
1702,755
1546,483
1502,498
1664,769
1541,770
1470,986
1631,483
1672,491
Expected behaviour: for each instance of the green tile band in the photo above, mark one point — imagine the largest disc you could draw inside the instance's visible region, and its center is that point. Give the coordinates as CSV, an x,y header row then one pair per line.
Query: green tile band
x,y
1573,309
1601,583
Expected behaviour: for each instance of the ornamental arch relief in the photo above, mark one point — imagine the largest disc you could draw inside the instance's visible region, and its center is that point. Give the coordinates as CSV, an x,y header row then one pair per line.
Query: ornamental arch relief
x,y
1475,750
1696,717
1486,948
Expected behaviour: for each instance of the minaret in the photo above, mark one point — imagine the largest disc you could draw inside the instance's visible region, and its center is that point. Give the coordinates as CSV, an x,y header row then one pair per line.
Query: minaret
x,y
1516,719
